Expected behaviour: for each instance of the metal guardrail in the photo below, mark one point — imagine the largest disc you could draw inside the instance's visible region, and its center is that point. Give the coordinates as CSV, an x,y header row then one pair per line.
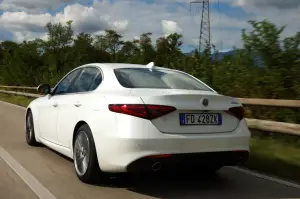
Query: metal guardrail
x,y
246,101
275,127
21,94
271,102
265,125
19,87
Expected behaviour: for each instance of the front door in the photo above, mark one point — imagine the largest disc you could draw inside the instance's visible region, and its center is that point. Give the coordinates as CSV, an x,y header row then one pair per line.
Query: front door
x,y
48,110
47,118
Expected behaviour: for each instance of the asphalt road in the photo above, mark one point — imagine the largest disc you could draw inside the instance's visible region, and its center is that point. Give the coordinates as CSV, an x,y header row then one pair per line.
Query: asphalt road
x,y
55,173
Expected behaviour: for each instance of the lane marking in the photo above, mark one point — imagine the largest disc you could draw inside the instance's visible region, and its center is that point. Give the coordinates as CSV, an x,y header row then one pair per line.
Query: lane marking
x,y
30,180
265,177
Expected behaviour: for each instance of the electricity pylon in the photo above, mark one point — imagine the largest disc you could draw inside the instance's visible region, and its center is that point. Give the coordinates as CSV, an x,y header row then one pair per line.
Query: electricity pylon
x,y
205,36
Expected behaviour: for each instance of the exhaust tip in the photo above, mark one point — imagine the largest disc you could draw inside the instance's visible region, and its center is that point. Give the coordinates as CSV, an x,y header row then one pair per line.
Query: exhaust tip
x,y
156,166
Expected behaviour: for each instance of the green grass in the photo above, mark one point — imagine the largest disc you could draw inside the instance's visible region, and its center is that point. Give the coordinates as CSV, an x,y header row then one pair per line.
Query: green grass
x,y
277,155
14,99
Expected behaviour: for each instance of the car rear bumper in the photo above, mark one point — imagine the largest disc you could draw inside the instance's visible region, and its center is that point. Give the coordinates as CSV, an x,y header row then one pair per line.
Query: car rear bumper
x,y
130,154
188,161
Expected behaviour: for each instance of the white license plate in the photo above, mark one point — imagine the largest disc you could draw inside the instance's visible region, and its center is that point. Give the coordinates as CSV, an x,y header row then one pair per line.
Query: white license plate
x,y
200,118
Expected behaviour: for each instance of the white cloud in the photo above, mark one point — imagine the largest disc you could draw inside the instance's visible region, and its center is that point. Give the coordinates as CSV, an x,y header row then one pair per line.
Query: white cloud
x,y
170,27
33,6
134,17
24,26
279,4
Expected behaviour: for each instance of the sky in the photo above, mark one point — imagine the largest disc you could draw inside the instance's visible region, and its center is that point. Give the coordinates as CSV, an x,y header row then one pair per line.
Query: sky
x,y
26,19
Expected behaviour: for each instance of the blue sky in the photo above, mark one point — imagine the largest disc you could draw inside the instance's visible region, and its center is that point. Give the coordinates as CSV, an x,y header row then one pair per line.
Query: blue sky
x,y
25,20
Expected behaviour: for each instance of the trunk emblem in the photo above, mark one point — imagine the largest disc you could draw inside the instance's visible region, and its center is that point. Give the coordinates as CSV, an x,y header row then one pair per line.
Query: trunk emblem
x,y
205,102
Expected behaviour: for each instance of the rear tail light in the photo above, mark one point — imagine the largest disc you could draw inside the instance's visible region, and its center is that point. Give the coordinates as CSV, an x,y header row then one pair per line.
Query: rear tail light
x,y
149,112
238,112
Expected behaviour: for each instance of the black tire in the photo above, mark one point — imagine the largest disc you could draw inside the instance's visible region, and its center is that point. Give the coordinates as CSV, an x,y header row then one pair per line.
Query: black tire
x,y
30,133
92,173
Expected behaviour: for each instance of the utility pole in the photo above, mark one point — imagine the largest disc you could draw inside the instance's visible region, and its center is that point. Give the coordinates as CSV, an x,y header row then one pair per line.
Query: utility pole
x,y
204,37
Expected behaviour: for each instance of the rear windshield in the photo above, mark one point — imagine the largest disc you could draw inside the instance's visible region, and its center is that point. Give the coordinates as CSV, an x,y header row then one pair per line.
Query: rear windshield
x,y
157,78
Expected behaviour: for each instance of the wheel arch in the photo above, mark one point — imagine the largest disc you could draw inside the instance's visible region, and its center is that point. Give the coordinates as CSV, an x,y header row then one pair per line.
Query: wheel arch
x,y
34,113
27,111
26,114
77,126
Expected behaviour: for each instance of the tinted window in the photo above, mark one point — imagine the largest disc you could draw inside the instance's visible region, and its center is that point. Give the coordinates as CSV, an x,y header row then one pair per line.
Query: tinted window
x,y
157,78
96,82
64,85
85,80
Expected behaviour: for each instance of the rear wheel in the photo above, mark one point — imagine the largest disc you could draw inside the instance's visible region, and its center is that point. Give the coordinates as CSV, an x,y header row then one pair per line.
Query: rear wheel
x,y
84,155
30,134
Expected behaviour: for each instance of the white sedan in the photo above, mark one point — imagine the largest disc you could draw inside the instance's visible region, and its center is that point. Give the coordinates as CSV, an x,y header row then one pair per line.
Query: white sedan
x,y
113,118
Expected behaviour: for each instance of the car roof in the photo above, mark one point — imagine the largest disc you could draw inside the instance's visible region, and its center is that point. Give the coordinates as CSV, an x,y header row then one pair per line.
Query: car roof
x,y
112,66
110,81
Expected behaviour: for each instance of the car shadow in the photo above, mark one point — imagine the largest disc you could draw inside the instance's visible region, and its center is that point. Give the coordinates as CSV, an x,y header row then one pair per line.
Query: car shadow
x,y
226,183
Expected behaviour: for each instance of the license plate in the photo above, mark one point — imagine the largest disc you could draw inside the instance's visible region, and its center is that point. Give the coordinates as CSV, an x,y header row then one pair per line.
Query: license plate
x,y
200,119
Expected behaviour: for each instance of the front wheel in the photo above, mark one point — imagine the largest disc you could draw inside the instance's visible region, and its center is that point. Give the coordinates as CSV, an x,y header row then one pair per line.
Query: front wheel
x,y
30,134
85,157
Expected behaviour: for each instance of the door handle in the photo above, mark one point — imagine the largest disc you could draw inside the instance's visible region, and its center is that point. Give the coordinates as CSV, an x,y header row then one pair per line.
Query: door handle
x,y
77,104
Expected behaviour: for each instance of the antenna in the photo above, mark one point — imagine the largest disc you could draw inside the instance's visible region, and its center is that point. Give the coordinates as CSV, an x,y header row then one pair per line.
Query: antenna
x,y
204,37
150,65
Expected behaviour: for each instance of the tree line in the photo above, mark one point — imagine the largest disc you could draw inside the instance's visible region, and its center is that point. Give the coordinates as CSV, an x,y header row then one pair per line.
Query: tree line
x,y
267,66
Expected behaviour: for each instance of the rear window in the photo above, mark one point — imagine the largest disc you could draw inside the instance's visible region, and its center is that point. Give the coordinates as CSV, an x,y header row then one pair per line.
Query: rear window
x,y
157,78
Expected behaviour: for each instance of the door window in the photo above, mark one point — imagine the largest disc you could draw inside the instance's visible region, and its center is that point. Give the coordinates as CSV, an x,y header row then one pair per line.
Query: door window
x,y
64,85
97,81
88,80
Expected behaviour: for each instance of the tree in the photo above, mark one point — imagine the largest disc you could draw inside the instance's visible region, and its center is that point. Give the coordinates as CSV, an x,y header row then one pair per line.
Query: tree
x,y
84,52
147,50
110,42
279,57
130,52
168,51
268,66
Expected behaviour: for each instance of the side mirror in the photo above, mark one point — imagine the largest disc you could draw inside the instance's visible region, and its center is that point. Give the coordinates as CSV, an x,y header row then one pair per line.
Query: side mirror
x,y
44,88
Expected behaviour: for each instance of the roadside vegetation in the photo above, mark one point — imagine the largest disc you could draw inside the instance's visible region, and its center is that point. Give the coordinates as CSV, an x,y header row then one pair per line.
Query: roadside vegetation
x,y
275,155
267,66
15,99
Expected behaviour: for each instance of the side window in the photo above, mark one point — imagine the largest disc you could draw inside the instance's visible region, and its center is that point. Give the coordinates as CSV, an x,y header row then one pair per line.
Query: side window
x,y
64,85
84,82
97,80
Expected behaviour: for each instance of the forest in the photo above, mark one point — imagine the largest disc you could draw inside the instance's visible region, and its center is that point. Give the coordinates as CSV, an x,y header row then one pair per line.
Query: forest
x,y
267,65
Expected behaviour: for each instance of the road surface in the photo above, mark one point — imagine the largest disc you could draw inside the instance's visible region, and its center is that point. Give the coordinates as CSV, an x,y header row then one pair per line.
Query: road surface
x,y
33,172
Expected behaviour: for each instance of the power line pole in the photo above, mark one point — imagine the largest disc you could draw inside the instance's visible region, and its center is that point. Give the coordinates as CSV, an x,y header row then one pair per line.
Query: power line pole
x,y
204,37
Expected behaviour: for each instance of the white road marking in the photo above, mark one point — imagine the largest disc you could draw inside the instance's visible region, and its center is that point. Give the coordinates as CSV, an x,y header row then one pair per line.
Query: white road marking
x,y
273,179
30,180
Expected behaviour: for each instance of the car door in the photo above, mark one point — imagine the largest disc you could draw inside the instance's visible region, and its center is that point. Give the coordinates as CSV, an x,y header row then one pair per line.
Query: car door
x,y
48,110
73,103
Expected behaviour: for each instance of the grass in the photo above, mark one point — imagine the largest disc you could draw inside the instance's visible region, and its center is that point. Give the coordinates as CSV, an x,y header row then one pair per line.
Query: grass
x,y
277,155
14,99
